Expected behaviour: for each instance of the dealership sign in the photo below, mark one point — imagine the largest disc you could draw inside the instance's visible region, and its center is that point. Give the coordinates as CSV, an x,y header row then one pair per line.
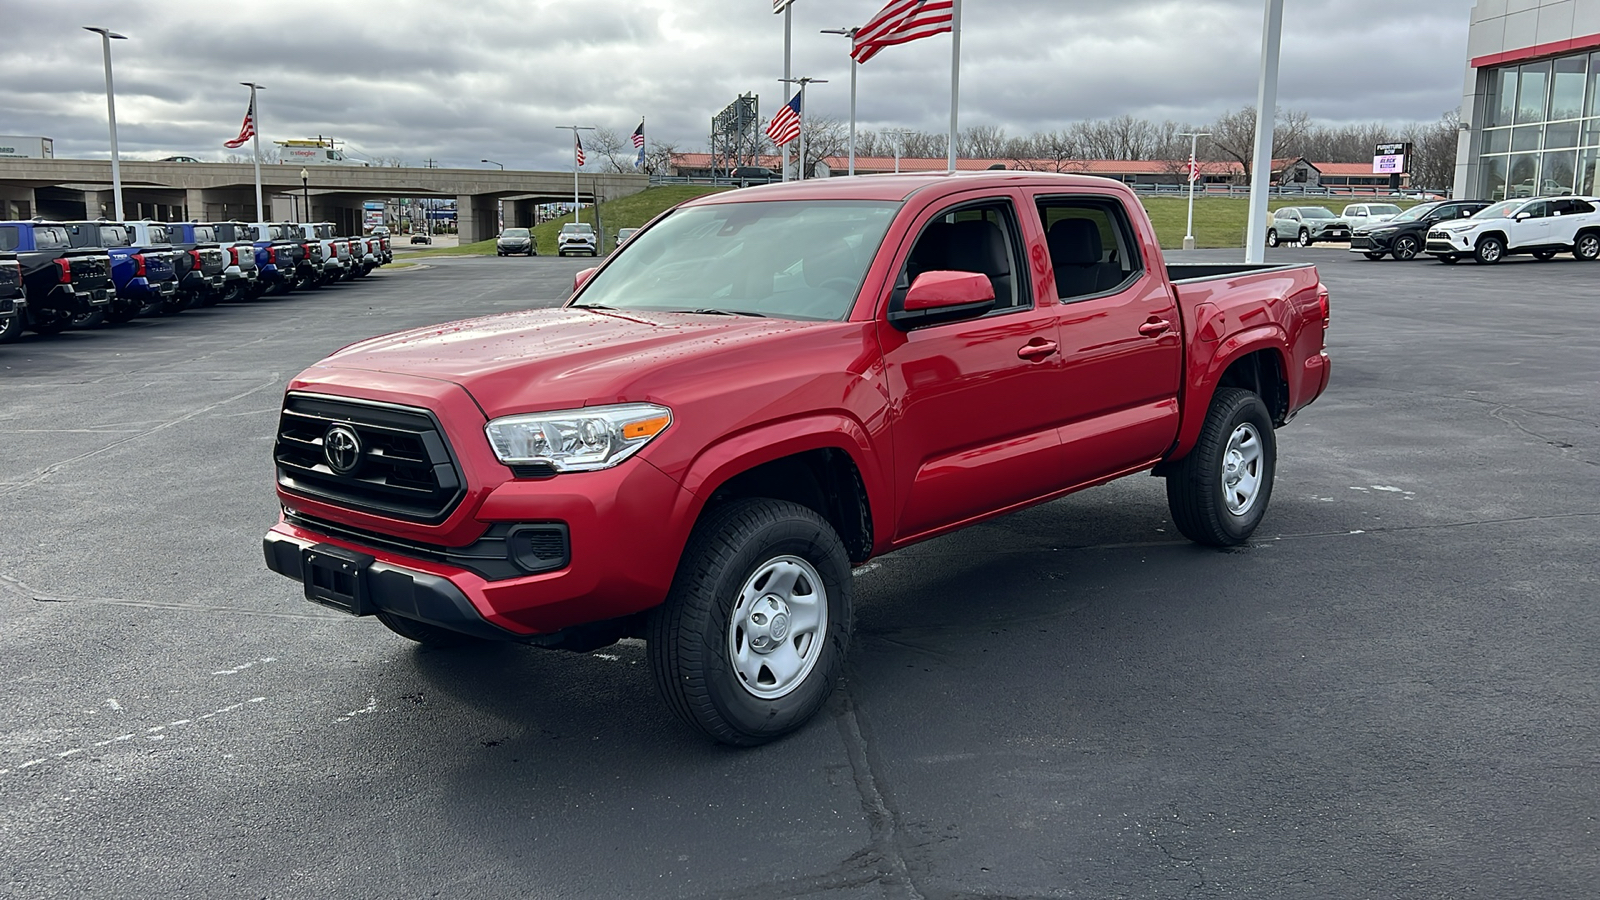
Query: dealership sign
x,y
1391,159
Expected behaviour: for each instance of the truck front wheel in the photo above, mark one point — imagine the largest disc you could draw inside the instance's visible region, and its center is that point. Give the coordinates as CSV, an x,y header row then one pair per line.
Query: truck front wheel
x,y
753,636
1219,492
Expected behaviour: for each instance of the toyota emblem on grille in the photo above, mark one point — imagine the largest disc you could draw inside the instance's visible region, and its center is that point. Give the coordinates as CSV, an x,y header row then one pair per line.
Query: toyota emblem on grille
x,y
341,447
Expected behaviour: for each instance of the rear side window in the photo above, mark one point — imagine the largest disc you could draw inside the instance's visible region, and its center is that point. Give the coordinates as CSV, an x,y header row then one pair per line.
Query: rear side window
x,y
1091,245
977,237
53,238
205,234
10,237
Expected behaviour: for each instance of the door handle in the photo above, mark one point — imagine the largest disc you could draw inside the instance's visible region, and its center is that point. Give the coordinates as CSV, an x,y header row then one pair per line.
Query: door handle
x,y
1156,328
1036,350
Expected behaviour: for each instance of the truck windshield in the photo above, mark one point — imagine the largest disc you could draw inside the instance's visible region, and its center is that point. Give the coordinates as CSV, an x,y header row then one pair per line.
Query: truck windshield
x,y
789,259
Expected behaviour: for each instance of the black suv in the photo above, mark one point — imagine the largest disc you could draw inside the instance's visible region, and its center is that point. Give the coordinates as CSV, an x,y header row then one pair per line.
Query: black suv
x,y
1405,235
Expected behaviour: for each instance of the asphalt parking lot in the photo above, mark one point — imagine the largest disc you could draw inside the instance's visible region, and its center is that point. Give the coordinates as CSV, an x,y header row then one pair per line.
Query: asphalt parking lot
x,y
1391,692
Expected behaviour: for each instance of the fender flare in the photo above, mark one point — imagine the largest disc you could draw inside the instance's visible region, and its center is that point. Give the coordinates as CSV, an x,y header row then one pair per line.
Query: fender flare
x,y
1197,397
742,451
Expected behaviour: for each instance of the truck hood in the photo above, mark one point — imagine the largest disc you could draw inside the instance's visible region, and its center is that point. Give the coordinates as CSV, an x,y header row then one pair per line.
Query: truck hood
x,y
548,359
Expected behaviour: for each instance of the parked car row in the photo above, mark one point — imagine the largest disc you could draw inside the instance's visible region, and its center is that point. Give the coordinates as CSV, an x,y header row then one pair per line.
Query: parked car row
x,y
1450,230
58,275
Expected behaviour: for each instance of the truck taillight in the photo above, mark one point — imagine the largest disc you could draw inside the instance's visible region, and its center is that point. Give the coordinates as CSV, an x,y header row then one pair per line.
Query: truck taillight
x,y
272,256
138,265
1322,306
233,256
65,276
194,259
307,249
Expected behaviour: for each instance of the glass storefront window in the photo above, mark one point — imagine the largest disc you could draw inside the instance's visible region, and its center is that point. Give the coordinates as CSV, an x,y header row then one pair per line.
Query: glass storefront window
x,y
1588,182
1501,102
1594,85
1561,134
1523,178
1527,137
1532,92
1497,140
1591,133
1558,173
1566,92
1494,178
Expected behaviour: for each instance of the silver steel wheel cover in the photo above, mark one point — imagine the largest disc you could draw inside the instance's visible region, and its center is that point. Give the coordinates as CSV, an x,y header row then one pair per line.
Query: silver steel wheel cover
x,y
778,625
1242,469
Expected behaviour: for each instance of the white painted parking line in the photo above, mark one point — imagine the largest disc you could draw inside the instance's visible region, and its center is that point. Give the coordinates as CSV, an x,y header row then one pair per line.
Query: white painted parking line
x,y
154,733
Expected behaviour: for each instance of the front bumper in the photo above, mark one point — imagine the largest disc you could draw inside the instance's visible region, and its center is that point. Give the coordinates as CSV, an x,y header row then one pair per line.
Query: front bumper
x,y
1449,242
1331,233
1362,242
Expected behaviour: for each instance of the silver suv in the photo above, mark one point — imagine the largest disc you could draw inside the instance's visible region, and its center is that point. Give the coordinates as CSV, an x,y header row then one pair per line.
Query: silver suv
x,y
1305,225
577,237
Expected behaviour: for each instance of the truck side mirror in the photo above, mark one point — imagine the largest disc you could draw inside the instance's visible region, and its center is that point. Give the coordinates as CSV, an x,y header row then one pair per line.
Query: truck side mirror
x,y
581,277
943,296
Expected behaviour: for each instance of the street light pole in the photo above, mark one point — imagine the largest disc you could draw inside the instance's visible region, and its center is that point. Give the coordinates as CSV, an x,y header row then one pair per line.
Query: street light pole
x,y
255,144
851,34
788,72
106,37
1194,175
899,145
492,163
1266,115
800,166
305,192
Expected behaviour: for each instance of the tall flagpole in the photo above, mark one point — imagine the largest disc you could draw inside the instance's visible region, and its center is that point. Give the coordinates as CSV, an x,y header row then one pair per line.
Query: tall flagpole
x,y
955,77
1266,115
851,34
255,145
803,80
575,129
788,16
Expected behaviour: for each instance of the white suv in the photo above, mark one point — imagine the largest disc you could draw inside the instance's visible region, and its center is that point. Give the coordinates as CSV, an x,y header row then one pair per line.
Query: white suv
x,y
1359,214
577,237
1543,226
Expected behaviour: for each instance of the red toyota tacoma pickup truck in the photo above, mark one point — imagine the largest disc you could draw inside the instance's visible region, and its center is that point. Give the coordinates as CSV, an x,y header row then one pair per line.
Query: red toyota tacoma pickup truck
x,y
766,387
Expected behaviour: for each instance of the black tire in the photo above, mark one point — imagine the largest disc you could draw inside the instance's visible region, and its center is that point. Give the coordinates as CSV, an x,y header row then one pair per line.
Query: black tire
x,y
1374,256
1490,250
1587,246
121,315
1406,247
1197,485
1447,260
1544,255
1305,238
691,638
55,324
11,328
92,319
425,634
1272,237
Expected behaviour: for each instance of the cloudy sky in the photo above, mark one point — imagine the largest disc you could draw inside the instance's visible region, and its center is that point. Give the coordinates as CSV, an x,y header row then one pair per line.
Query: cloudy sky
x,y
464,80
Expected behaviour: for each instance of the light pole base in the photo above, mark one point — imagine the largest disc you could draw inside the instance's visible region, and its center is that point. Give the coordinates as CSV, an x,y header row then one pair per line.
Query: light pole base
x,y
1188,242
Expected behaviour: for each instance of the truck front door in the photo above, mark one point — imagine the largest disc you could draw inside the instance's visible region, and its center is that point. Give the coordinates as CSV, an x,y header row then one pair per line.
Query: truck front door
x,y
975,402
1121,340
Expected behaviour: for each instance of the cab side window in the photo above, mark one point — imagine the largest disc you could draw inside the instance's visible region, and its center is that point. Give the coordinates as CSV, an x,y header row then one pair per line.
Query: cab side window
x,y
1537,210
1091,245
978,237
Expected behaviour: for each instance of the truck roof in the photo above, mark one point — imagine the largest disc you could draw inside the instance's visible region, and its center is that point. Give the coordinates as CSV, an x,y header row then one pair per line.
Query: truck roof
x,y
901,187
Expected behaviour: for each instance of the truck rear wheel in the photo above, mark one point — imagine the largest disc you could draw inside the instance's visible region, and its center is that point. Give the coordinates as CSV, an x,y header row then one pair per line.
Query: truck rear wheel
x,y
1219,492
753,636
11,328
425,634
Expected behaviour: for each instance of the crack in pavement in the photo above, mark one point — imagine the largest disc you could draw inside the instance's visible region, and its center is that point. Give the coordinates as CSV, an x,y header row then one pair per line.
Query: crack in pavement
x,y
18,588
41,474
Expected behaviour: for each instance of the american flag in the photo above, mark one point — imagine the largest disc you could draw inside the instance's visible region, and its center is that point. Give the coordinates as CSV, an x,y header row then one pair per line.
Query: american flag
x,y
577,149
638,136
1193,168
785,126
900,21
247,130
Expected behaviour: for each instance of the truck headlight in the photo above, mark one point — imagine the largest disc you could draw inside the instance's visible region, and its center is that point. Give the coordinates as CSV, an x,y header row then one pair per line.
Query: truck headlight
x,y
577,440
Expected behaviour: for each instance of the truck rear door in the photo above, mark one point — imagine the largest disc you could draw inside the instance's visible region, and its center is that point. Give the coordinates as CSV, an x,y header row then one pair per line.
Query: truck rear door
x,y
1121,339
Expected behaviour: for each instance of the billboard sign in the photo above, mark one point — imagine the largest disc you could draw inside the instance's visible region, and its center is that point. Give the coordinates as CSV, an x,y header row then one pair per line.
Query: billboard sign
x,y
1391,159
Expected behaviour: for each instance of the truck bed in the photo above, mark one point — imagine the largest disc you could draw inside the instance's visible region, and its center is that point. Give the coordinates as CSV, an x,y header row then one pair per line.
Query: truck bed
x,y
1187,272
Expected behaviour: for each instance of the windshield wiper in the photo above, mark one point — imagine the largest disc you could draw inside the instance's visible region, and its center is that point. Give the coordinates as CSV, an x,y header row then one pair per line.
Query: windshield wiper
x,y
589,306
721,312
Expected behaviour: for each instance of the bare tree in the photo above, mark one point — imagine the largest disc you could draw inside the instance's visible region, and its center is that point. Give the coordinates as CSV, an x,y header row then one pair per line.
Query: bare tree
x,y
825,136
616,153
982,142
1233,135
1433,151
658,157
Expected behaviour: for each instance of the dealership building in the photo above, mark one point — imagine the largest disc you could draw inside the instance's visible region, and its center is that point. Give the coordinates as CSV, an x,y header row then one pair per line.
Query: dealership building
x,y
1531,106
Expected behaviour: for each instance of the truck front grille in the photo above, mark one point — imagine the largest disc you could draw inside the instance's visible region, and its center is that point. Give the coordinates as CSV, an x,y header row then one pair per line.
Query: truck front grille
x,y
385,459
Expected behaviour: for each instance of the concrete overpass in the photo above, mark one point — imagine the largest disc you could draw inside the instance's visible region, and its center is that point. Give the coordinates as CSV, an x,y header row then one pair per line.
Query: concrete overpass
x,y
81,188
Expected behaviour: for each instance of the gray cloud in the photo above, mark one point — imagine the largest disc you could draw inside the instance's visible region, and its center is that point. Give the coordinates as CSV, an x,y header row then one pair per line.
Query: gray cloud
x,y
472,79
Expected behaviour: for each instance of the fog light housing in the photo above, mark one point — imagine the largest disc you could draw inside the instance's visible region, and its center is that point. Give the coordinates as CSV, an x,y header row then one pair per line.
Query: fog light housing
x,y
542,547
